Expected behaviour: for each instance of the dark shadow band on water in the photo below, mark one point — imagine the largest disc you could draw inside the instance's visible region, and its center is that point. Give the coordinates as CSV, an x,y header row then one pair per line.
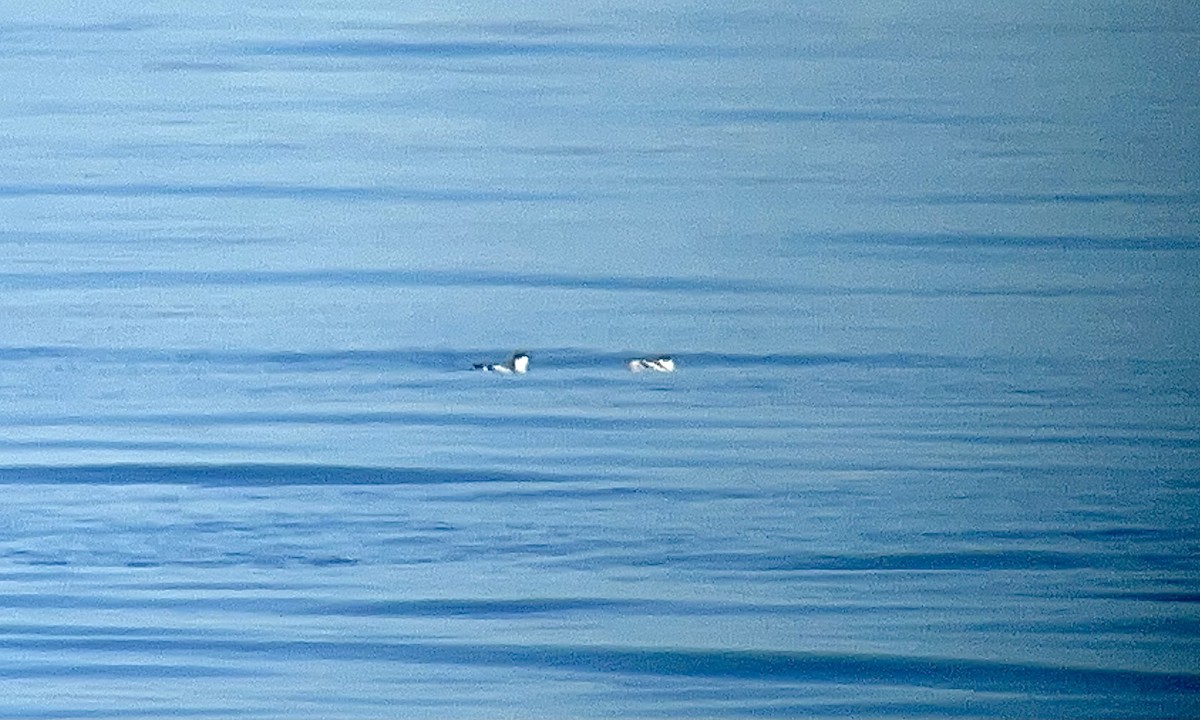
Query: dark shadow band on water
x,y
759,666
134,445
279,191
968,241
788,116
1182,198
97,671
441,360
261,475
385,278
402,419
120,279
683,286
477,49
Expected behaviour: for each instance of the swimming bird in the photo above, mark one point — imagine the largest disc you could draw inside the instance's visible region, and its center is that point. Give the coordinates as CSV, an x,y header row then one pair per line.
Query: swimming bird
x,y
662,363
518,364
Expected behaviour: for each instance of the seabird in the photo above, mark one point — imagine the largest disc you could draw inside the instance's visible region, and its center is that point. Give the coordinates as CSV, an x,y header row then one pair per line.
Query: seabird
x,y
662,363
518,364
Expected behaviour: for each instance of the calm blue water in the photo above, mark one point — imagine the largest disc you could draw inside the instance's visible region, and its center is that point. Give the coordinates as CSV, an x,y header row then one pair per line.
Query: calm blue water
x,y
931,276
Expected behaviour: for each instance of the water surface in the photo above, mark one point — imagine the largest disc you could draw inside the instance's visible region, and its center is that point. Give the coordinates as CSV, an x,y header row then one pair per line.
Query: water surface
x,y
930,278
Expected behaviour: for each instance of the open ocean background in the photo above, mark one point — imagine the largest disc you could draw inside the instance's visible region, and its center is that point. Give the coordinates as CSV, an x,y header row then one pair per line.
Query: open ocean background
x,y
931,275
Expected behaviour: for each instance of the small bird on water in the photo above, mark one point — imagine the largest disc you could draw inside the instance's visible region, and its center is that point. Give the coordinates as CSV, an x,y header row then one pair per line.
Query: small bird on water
x,y
662,363
518,364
